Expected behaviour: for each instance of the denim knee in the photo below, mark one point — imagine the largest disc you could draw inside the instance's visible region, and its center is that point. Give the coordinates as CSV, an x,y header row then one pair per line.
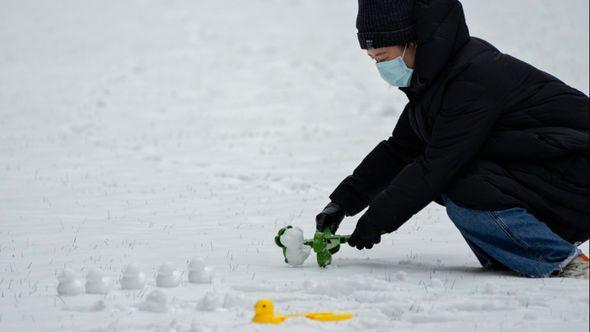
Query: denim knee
x,y
513,237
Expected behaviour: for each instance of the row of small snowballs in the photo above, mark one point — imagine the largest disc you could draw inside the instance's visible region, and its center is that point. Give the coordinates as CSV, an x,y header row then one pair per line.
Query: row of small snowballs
x,y
133,278
156,301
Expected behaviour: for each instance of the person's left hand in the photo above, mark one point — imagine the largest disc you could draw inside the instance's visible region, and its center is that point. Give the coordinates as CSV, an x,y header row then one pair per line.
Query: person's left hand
x,y
365,234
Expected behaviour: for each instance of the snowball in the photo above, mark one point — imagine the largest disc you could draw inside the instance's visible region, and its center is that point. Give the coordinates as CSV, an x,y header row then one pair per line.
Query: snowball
x,y
70,288
198,272
166,269
66,275
168,276
102,286
132,270
196,264
133,277
292,238
94,274
210,302
68,284
96,283
168,281
201,277
133,283
155,302
156,296
297,256
296,252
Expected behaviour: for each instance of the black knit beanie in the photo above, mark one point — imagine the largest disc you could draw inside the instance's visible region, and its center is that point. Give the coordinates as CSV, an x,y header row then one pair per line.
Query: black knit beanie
x,y
382,23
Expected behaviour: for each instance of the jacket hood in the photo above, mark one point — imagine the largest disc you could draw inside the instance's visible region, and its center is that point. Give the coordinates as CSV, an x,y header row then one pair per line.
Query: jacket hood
x,y
441,32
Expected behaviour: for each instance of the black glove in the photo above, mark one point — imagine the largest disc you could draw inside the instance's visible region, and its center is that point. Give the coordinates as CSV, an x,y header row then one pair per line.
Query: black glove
x,y
331,217
365,234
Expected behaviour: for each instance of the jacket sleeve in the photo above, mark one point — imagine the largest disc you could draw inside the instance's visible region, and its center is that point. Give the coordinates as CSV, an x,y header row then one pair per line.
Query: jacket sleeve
x,y
378,168
459,131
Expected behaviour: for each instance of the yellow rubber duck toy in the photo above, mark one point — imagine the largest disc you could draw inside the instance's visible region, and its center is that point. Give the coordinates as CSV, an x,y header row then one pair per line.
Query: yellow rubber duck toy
x,y
264,314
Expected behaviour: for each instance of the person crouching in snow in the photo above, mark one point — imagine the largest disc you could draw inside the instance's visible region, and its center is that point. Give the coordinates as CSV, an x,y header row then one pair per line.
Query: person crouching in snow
x,y
501,144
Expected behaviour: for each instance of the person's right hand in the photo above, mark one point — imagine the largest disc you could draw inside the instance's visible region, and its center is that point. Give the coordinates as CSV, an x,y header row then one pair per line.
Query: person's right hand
x,y
330,217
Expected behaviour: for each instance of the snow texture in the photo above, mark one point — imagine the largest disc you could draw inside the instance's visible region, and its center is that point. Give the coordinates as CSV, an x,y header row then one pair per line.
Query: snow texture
x,y
150,131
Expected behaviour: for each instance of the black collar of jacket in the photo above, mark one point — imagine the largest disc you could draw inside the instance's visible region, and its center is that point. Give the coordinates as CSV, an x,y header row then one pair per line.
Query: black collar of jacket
x,y
441,32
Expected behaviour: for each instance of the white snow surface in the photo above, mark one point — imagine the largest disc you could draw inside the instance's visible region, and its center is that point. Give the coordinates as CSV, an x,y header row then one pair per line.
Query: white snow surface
x,y
151,131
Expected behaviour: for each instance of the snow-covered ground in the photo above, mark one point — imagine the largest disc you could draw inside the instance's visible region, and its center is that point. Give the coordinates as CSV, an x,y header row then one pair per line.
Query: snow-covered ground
x,y
152,131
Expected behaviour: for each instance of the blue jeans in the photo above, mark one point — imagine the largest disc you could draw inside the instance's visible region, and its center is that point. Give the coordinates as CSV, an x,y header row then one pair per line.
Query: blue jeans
x,y
511,239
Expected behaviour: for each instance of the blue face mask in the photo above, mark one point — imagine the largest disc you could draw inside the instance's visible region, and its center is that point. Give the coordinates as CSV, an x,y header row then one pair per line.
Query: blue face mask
x,y
395,71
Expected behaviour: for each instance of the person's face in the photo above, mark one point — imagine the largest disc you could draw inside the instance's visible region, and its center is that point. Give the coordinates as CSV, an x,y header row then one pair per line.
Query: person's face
x,y
385,53
391,52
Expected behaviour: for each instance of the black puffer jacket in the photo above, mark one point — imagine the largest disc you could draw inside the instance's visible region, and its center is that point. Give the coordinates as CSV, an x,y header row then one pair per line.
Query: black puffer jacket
x,y
490,131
